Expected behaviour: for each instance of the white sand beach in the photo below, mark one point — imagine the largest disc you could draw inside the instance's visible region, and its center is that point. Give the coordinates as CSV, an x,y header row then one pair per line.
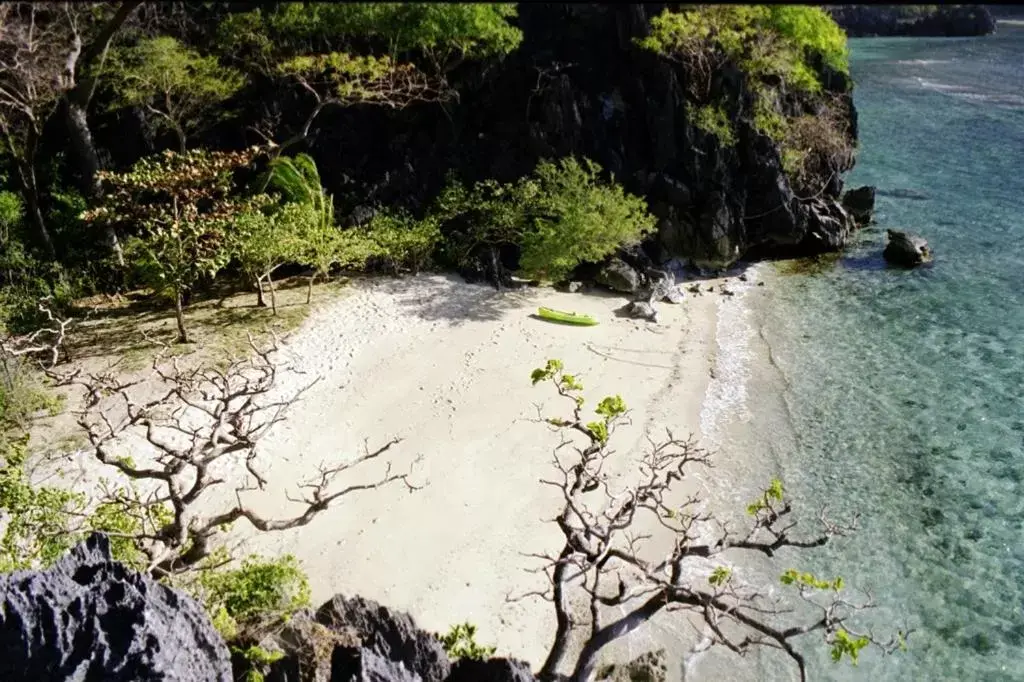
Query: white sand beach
x,y
445,366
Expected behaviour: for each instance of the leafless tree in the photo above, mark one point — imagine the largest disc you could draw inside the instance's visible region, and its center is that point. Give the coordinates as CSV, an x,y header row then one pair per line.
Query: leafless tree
x,y
47,342
203,420
603,556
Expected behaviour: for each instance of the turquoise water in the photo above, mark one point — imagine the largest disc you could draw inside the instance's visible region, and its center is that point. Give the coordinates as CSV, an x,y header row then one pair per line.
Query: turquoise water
x,y
904,391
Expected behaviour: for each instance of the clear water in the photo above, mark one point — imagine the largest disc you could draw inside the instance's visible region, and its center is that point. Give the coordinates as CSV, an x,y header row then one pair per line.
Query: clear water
x,y
903,391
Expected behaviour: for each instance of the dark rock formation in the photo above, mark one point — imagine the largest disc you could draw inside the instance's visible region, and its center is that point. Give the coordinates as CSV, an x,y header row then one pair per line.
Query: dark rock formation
x,y
619,276
579,85
913,20
860,202
387,634
907,250
90,619
493,670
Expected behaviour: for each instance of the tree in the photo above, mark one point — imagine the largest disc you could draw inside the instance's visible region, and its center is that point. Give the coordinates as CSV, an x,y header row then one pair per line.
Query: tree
x,y
183,206
47,54
602,555
182,89
204,417
561,215
264,241
319,242
310,45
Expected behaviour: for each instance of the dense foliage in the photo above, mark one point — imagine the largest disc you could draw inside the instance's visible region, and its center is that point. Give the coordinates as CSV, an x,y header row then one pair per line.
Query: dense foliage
x,y
779,48
561,215
181,208
181,89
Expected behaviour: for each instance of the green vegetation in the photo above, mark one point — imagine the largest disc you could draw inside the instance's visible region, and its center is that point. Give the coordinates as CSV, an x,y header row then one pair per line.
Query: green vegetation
x,y
258,595
763,40
182,208
776,46
561,215
713,120
180,88
460,642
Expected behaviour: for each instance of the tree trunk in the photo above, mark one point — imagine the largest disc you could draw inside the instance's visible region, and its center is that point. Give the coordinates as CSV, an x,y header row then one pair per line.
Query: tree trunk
x,y
273,294
26,176
179,314
309,289
89,165
563,627
76,103
260,301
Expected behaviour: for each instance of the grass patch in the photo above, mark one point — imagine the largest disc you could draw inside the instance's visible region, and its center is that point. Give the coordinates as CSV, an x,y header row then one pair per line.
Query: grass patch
x,y
133,327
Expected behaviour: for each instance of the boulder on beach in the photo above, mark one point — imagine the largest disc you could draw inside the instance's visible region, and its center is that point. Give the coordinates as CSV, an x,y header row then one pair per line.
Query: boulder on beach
x,y
618,275
907,250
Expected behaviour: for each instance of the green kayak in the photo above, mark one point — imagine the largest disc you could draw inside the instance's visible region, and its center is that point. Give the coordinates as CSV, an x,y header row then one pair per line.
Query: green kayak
x,y
570,318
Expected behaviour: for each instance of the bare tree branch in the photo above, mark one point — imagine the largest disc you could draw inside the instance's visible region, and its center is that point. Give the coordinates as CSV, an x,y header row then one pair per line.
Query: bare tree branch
x,y
202,417
602,558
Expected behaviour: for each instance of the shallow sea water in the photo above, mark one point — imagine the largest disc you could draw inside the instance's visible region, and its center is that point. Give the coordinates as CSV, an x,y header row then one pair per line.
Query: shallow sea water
x,y
900,394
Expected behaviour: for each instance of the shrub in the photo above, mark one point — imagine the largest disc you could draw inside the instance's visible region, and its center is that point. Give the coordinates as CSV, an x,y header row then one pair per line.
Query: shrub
x,y
814,144
713,120
40,522
762,40
260,593
35,519
577,218
561,215
460,642
400,242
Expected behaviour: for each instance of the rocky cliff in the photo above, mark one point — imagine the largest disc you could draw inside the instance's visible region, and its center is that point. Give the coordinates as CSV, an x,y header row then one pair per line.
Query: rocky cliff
x,y
913,20
90,619
579,84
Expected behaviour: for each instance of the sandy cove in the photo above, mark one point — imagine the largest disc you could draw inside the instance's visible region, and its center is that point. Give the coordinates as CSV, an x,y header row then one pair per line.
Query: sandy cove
x,y
445,366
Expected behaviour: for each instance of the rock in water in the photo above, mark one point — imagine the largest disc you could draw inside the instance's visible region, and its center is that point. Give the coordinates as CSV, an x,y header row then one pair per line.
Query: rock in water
x,y
617,275
90,619
906,249
860,203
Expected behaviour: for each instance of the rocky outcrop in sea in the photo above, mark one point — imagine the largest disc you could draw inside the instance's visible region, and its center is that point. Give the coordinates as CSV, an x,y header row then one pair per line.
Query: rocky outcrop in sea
x,y
913,20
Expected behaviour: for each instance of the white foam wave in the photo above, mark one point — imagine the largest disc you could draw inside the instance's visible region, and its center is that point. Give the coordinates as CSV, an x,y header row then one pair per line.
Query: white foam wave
x,y
924,62
726,395
941,87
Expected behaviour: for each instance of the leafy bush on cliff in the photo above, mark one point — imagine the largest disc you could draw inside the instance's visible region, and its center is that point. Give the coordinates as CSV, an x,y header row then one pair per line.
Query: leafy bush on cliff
x,y
561,215
441,31
777,46
259,594
765,41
